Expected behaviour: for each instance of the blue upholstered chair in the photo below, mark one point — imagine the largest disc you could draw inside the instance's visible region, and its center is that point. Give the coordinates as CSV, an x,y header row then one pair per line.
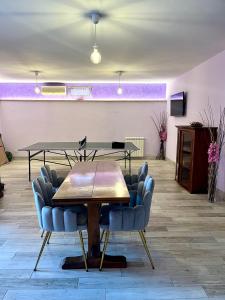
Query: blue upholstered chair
x,y
133,180
51,176
132,185
55,219
130,218
47,191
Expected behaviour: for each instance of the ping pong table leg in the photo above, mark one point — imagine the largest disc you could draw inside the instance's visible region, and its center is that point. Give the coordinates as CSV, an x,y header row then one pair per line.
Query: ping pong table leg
x,y
29,165
129,158
68,159
93,157
125,159
76,155
44,156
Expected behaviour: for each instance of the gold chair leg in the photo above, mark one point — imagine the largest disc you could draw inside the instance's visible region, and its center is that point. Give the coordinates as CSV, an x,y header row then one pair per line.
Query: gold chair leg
x,y
104,248
42,248
83,250
102,235
146,248
42,233
49,237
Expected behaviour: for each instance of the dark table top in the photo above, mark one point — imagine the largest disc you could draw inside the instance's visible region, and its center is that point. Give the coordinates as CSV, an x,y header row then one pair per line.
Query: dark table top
x,y
93,182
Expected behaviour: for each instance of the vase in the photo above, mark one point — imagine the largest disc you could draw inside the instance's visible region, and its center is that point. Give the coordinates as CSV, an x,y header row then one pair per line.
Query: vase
x,y
212,176
161,154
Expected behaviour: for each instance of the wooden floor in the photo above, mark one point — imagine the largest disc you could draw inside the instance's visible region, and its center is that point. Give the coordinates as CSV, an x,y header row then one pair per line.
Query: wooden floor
x,y
186,235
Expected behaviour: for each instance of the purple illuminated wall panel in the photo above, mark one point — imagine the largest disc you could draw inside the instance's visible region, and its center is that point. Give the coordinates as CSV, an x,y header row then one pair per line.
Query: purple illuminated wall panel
x,y
100,91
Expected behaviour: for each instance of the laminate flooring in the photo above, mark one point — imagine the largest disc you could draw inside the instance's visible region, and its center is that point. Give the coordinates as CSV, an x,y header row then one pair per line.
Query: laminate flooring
x,y
186,235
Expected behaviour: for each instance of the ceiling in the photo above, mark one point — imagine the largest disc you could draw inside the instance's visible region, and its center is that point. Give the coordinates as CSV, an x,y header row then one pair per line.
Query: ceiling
x,y
152,40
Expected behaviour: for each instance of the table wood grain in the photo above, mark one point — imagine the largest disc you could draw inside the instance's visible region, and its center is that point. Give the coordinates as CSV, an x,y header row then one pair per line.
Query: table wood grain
x,y
93,182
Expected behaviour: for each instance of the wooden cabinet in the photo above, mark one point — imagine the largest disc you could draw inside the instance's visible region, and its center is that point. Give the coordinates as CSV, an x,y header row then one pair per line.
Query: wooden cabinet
x,y
192,158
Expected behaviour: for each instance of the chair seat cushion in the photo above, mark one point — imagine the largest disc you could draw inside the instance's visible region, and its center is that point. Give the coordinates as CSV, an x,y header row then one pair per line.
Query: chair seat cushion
x,y
133,196
81,211
104,215
132,187
60,180
131,179
136,197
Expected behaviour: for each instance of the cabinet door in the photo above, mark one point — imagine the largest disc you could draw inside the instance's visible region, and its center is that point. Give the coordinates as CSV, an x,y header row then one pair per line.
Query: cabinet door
x,y
185,158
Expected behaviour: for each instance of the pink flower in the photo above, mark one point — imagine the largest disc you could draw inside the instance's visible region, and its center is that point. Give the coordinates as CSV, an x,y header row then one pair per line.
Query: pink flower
x,y
163,135
213,153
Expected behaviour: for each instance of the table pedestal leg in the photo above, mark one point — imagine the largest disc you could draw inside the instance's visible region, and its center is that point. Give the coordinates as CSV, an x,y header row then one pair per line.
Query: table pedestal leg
x,y
110,261
93,230
94,254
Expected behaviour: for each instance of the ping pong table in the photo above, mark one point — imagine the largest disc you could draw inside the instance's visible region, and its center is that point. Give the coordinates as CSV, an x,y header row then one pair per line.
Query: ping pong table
x,y
88,152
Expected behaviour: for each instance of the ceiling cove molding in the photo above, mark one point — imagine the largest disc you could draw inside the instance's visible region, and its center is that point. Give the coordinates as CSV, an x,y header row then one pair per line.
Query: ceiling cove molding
x,y
87,91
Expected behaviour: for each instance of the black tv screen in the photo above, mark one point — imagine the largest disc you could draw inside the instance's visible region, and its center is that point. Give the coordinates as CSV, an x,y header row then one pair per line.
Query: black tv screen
x,y
178,104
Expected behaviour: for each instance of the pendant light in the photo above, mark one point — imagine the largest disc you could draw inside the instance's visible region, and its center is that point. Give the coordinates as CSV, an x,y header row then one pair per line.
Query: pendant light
x,y
95,55
37,89
119,89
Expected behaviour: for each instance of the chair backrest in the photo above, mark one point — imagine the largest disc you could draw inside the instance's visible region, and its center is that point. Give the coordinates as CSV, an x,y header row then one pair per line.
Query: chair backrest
x,y
51,176
144,195
46,174
40,193
147,192
44,189
143,172
39,204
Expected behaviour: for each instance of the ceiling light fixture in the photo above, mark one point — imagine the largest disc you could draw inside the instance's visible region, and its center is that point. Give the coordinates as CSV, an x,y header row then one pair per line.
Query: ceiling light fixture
x,y
119,90
37,89
95,55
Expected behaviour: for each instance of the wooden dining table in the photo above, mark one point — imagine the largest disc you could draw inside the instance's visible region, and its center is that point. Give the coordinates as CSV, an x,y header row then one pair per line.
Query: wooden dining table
x,y
93,183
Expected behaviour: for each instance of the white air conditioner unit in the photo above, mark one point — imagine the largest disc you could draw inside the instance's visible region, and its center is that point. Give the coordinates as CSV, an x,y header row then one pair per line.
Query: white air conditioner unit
x,y
80,91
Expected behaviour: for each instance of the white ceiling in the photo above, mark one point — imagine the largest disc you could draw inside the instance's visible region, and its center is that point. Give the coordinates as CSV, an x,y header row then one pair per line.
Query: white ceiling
x,y
152,40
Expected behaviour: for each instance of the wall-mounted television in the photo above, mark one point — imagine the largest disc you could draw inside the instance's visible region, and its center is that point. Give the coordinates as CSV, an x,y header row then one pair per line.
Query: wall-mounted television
x,y
178,104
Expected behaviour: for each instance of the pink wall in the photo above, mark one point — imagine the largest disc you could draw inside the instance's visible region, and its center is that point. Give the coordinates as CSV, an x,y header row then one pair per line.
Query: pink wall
x,y
27,122
204,84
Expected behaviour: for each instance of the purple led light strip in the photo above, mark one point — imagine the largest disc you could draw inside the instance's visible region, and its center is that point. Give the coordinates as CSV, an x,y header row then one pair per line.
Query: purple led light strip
x,y
100,91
